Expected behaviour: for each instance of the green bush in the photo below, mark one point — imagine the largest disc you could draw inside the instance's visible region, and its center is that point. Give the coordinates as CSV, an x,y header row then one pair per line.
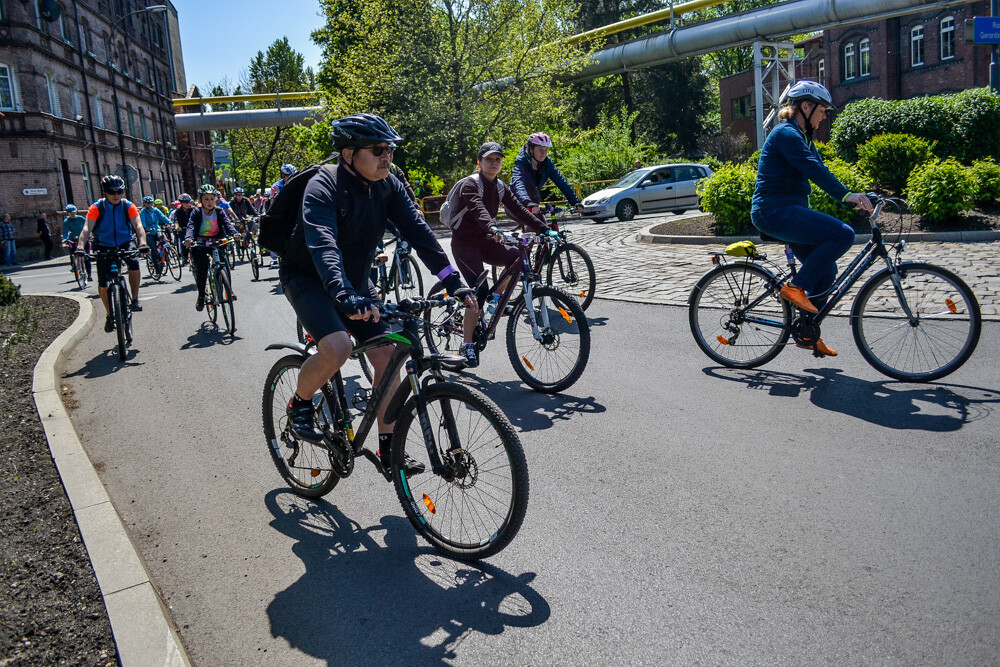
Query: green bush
x,y
888,159
986,174
726,194
965,125
9,292
754,160
852,179
826,151
603,153
940,189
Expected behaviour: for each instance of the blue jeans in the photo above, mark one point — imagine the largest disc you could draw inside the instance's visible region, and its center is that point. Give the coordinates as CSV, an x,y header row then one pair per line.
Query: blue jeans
x,y
11,257
818,241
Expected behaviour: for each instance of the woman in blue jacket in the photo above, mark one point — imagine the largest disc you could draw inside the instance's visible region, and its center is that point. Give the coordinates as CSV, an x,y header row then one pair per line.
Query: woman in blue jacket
x,y
788,162
532,169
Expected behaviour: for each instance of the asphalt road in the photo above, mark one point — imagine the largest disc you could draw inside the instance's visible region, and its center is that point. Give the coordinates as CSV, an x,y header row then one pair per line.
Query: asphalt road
x,y
810,511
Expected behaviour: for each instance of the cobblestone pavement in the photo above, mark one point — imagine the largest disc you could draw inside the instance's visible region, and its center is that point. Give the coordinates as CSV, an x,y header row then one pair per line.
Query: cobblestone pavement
x,y
630,270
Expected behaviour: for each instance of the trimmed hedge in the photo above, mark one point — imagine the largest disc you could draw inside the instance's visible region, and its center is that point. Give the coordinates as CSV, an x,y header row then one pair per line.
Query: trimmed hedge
x,y
727,195
888,159
940,190
986,174
965,125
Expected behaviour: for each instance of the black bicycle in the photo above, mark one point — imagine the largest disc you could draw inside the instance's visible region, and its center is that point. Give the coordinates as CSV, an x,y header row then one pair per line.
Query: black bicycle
x,y
469,500
402,276
119,294
565,265
219,290
163,257
912,321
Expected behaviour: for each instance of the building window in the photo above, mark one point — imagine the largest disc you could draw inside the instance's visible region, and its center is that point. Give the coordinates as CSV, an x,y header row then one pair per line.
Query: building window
x,y
64,29
53,90
131,121
821,71
6,88
88,187
74,100
947,37
850,62
741,107
142,124
865,53
917,46
98,113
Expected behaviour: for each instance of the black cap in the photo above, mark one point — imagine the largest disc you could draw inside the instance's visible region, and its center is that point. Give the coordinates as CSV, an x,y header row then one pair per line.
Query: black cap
x,y
489,147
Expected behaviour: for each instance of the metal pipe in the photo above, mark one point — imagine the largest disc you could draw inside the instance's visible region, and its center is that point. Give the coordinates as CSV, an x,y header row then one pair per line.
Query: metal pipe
x,y
645,19
259,97
228,120
742,29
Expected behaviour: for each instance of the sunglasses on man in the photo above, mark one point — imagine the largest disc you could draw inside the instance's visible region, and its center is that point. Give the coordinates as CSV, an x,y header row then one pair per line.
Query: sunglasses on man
x,y
379,151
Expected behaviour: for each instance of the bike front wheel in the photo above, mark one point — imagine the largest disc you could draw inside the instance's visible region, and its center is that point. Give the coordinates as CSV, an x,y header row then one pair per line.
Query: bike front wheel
x,y
475,505
443,326
79,272
115,306
572,271
737,317
938,335
306,467
151,266
211,295
406,279
173,262
551,355
224,296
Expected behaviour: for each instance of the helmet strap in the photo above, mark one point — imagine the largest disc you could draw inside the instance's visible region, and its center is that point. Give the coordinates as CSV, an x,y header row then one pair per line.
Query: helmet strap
x,y
807,119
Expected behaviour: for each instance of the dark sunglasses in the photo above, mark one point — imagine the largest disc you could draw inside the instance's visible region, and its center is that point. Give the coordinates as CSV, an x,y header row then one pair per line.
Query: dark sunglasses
x,y
114,192
379,151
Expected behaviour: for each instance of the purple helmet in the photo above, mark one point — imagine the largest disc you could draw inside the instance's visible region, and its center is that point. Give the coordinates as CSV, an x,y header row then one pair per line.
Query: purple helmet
x,y
540,139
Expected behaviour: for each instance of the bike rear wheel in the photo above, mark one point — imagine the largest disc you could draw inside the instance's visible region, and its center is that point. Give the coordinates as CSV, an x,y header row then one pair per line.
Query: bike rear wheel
x,y
151,266
558,359
476,506
115,304
941,336
572,271
406,279
443,326
726,328
225,299
307,468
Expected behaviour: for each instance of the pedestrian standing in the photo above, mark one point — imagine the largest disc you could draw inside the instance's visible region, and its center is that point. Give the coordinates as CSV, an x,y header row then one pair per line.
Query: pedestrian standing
x,y
7,240
45,235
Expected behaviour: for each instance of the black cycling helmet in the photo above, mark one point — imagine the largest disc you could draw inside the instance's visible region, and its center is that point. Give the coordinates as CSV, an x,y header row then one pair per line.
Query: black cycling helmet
x,y
363,129
113,184
184,198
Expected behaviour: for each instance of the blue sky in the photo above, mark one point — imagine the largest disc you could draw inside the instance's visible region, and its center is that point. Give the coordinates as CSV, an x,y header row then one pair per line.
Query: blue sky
x,y
220,37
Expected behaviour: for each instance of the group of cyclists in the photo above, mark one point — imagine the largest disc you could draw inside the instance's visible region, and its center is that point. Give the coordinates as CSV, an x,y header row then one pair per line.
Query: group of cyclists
x,y
347,207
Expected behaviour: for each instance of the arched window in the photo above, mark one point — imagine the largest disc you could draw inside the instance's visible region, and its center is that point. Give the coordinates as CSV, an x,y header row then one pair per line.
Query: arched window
x,y
98,112
850,62
8,89
865,53
947,37
131,120
917,46
74,100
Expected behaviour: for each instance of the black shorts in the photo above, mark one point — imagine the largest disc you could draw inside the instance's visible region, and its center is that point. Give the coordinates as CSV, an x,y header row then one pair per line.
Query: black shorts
x,y
104,263
318,313
472,253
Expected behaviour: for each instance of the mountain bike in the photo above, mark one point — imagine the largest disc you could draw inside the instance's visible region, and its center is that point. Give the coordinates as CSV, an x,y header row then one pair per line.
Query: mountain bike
x,y
79,263
548,335
912,321
219,291
166,254
402,277
366,368
469,501
565,265
119,295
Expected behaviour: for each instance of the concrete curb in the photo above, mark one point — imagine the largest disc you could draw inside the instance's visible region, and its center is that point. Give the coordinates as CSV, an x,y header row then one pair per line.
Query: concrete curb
x,y
140,622
646,236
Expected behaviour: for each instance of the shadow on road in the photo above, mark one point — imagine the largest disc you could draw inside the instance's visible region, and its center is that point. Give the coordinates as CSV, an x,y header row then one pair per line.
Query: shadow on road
x,y
106,363
209,335
597,321
898,405
363,603
530,410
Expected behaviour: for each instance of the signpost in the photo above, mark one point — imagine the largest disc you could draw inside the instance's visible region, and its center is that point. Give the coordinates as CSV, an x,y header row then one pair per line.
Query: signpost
x,y
986,30
35,192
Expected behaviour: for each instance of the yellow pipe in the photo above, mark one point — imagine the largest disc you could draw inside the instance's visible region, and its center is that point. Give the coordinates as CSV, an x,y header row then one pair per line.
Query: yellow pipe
x,y
644,19
261,97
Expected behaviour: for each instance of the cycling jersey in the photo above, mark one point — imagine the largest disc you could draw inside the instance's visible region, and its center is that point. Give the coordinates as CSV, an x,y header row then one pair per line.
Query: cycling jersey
x,y
342,220
115,228
73,226
527,181
151,219
276,187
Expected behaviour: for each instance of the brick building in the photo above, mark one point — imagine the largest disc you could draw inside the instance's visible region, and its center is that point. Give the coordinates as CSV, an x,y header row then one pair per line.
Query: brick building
x,y
58,133
923,53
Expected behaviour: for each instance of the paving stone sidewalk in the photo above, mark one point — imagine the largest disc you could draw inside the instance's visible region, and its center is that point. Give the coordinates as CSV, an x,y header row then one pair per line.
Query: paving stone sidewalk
x,y
630,270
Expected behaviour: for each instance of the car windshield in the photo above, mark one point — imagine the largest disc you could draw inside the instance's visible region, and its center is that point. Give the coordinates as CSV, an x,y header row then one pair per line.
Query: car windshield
x,y
631,178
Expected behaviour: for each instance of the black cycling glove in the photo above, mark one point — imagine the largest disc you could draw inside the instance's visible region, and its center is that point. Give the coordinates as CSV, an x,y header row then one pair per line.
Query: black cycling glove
x,y
354,304
452,283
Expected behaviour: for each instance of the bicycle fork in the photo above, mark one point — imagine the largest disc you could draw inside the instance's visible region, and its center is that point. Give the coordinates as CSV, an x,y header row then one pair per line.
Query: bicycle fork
x,y
427,427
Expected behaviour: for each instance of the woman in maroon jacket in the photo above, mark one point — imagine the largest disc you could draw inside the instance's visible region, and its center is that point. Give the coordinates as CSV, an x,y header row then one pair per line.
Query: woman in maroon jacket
x,y
473,244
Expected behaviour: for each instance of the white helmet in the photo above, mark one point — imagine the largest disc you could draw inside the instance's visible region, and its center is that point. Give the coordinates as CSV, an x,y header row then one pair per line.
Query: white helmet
x,y
811,91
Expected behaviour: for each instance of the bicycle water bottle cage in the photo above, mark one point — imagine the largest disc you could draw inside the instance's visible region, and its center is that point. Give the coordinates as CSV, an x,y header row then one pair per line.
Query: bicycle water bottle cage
x,y
742,249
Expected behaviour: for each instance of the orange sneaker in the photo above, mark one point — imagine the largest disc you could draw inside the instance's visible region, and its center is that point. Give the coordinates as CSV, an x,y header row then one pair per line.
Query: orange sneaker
x,y
822,348
797,297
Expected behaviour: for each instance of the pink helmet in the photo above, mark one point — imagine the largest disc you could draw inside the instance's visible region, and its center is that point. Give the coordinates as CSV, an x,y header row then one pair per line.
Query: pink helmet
x,y
540,139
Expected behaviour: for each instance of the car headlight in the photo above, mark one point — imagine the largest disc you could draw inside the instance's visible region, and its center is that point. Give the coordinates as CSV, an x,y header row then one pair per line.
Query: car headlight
x,y
604,200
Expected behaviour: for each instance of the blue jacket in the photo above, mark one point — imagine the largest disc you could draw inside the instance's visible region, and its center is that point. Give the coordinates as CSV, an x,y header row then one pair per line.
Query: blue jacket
x,y
788,161
527,183
151,219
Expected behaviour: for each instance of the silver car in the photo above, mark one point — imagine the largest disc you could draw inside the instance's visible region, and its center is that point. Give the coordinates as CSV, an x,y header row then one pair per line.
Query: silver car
x,y
665,187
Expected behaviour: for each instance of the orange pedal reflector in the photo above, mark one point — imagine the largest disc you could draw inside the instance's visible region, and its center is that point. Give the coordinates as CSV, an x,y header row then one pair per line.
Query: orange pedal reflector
x,y
722,340
314,472
526,362
565,315
583,293
430,504
951,305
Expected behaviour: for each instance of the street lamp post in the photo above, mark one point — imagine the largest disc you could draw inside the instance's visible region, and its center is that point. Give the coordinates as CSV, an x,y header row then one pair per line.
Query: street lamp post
x,y
152,9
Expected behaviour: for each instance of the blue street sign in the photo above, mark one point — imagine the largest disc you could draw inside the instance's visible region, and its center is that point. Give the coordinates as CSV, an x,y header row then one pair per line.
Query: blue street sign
x,y
986,30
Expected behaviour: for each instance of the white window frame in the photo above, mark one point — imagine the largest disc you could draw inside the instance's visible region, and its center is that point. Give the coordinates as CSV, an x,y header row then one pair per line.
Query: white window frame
x,y
87,185
865,57
948,37
64,31
821,70
52,88
850,62
74,100
917,46
98,112
11,88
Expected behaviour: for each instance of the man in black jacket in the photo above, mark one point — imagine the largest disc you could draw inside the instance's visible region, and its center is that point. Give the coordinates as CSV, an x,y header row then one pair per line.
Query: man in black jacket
x,y
325,269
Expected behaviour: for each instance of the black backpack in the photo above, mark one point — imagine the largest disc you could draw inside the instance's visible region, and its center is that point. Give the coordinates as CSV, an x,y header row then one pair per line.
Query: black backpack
x,y
278,224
